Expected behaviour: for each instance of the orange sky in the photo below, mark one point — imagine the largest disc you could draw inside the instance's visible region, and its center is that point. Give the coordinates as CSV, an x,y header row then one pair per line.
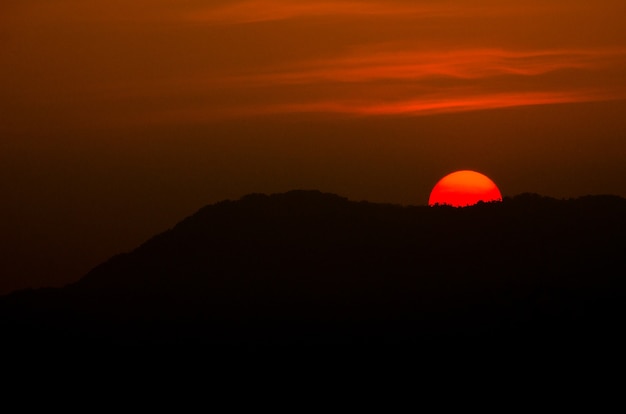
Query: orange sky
x,y
120,118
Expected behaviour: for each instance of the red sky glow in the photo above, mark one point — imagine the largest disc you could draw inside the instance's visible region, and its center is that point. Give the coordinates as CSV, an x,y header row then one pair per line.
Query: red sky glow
x,y
119,117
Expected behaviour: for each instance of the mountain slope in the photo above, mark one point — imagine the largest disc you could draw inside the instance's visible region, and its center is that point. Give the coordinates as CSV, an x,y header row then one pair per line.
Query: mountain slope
x,y
309,267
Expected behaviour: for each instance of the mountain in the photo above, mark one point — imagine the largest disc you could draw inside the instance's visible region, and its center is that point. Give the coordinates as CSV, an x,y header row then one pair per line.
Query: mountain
x,y
311,268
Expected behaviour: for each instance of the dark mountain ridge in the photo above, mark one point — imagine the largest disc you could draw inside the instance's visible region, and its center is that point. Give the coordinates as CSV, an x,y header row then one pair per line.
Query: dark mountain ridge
x,y
307,267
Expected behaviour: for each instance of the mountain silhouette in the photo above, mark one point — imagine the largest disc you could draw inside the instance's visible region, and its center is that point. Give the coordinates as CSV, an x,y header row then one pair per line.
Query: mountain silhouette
x,y
312,268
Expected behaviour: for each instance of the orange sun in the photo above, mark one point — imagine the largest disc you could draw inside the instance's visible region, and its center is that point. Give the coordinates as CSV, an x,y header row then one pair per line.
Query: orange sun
x,y
464,188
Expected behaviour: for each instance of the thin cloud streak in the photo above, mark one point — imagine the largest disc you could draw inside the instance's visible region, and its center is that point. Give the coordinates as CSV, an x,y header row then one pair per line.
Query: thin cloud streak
x,y
254,11
461,64
476,103
413,107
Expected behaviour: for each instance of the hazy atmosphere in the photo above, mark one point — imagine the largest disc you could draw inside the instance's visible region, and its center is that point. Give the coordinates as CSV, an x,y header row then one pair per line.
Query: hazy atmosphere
x,y
118,119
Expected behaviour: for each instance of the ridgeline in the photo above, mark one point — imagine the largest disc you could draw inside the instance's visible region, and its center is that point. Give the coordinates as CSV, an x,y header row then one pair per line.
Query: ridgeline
x,y
308,268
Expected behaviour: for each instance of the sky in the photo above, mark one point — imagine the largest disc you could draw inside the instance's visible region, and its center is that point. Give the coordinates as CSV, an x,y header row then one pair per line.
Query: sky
x,y
118,119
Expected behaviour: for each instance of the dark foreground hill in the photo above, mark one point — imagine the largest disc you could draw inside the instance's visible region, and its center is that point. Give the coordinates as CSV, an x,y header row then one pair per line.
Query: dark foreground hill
x,y
310,268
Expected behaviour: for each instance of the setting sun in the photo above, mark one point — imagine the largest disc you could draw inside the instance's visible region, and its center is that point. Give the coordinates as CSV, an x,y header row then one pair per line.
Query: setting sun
x,y
464,188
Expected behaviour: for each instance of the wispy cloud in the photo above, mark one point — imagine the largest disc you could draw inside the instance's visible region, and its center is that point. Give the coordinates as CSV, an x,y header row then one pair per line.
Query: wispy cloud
x,y
431,105
448,104
204,71
405,82
251,11
415,65
268,10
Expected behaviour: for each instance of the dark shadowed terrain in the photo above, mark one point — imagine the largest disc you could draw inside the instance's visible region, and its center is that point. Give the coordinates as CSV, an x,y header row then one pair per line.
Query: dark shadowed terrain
x,y
307,268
